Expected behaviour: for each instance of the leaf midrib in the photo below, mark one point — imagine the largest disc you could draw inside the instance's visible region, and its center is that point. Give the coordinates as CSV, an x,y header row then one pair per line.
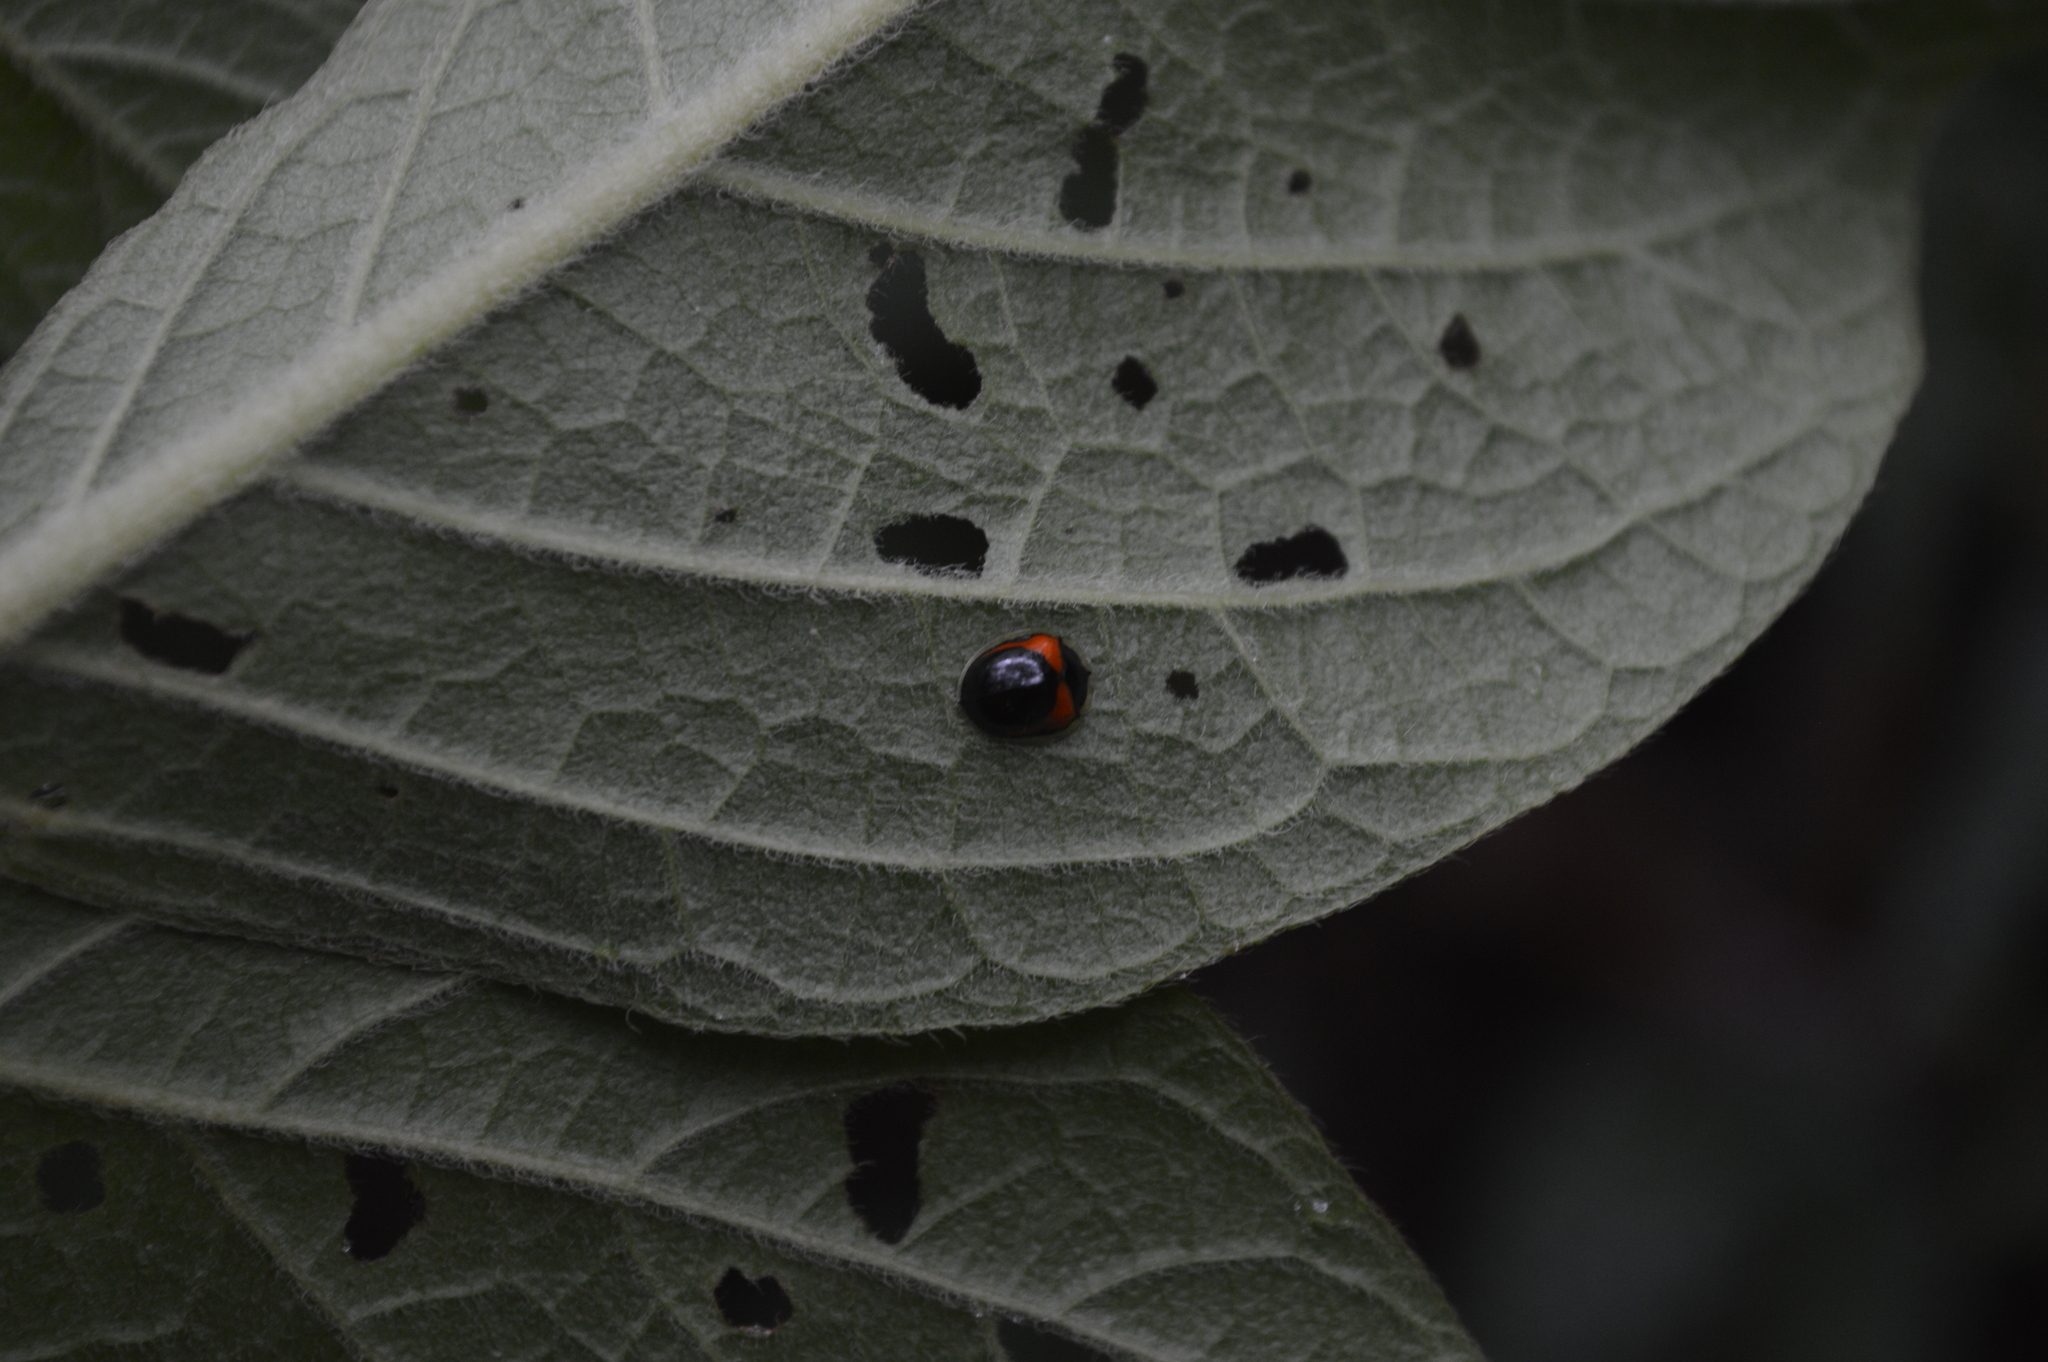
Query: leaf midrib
x,y
80,542
898,219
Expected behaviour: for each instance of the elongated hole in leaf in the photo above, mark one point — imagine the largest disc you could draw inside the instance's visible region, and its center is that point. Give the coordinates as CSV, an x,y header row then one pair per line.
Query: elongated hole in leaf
x,y
935,543
1123,99
900,318
1026,1343
1311,552
179,640
1088,195
1183,685
883,1131
387,1206
757,1304
1458,345
68,1178
1134,382
727,516
472,401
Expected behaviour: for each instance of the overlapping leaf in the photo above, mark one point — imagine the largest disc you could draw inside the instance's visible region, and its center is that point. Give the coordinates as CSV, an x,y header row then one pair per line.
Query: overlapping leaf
x,y
104,105
574,655
1130,1183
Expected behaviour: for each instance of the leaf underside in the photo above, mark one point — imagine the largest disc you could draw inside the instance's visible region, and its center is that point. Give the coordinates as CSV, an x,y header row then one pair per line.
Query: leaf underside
x,y
555,1180
570,656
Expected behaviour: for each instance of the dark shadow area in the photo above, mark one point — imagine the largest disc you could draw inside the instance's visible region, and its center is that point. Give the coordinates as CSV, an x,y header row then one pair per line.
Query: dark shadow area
x,y
900,318
386,1209
1310,552
1740,1050
934,543
179,640
1023,1342
883,1131
757,1304
68,1179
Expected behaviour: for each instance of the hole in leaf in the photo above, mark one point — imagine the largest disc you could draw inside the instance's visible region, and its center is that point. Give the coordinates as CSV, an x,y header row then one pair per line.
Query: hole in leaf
x,y
757,1304
516,204
1025,1343
387,791
1183,685
728,515
472,401
1123,99
387,1206
178,640
900,317
934,543
1173,288
1300,182
1458,346
883,1130
1088,196
1312,552
1134,382
880,253
68,1177
50,794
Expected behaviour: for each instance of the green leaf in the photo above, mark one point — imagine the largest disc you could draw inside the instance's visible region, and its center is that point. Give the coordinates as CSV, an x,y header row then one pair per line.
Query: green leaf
x,y
103,105
1128,1183
570,656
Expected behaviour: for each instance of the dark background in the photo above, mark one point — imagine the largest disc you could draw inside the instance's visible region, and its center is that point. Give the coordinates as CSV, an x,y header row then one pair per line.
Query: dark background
x,y
1740,1050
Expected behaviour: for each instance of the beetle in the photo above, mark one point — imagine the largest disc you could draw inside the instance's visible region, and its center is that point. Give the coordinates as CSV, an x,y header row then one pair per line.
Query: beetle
x,y
1033,686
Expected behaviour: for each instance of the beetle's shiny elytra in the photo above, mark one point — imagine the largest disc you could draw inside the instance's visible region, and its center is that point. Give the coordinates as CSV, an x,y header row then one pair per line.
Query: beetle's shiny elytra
x,y
1027,687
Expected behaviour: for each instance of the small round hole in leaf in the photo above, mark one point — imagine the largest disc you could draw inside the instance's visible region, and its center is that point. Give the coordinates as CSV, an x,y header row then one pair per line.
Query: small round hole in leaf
x,y
472,401
1183,684
1459,345
1134,382
1300,182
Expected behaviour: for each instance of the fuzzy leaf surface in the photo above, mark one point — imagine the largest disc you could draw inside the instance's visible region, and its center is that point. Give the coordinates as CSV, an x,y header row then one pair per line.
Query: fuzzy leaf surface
x,y
1127,1185
572,656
